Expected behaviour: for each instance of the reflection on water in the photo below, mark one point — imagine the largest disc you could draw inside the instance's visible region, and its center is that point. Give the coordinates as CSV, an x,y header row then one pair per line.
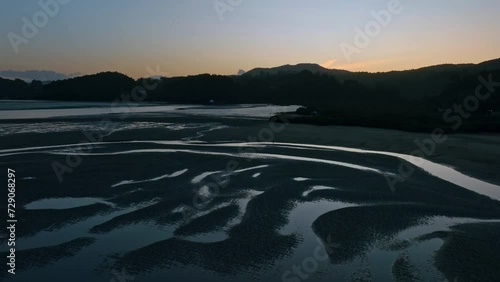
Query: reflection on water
x,y
64,203
71,109
444,172
170,175
441,171
317,188
47,127
300,179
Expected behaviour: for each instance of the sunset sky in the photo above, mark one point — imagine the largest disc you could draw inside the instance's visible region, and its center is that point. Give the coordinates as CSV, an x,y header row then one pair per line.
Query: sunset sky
x,y
189,37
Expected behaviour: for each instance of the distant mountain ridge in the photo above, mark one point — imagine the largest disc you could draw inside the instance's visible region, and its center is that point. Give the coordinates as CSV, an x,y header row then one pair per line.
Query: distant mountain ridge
x,y
314,68
412,84
30,75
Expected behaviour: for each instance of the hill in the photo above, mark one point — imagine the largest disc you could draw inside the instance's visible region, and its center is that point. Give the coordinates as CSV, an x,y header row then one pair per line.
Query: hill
x,y
19,89
105,86
291,69
412,84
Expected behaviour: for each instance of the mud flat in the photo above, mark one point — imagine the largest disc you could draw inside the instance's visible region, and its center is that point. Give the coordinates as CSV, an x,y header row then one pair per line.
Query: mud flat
x,y
304,188
471,252
41,257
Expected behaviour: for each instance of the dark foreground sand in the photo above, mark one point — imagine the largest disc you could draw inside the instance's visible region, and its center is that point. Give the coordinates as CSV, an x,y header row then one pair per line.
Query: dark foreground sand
x,y
153,230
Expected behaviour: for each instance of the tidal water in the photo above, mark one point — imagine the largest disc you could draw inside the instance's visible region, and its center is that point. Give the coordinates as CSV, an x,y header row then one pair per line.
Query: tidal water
x,y
194,200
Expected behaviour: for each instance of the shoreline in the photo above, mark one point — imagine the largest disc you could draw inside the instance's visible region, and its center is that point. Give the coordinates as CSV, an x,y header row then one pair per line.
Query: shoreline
x,y
406,124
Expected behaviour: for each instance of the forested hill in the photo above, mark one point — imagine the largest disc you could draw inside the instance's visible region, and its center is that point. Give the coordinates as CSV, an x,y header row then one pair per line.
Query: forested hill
x,y
412,84
304,84
105,86
19,89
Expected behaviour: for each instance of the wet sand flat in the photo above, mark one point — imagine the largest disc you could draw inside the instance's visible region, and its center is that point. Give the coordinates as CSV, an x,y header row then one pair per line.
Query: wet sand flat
x,y
189,196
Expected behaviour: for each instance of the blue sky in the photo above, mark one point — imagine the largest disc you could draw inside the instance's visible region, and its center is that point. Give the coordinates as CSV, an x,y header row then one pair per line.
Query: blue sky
x,y
188,36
